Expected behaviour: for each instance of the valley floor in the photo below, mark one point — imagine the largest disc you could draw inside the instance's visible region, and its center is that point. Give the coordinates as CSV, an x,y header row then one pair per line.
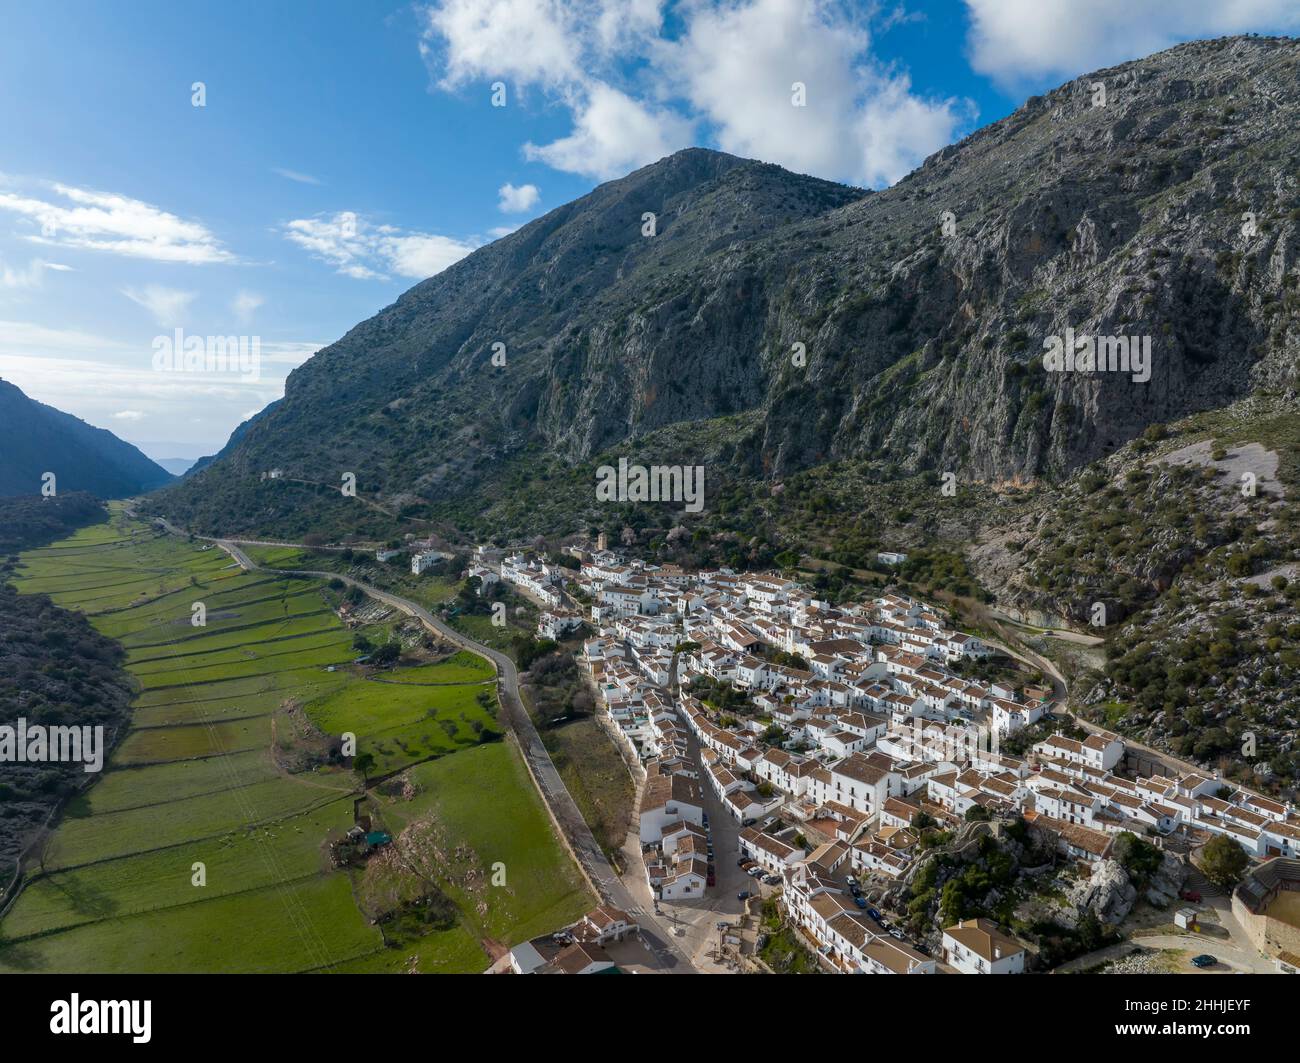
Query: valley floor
x,y
205,844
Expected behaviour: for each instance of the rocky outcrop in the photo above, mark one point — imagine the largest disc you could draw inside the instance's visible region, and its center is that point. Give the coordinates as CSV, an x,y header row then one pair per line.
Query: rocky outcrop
x,y
1165,884
1107,892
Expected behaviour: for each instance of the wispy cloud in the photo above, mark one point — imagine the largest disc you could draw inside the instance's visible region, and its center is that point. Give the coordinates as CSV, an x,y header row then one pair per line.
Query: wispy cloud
x,y
167,305
105,221
26,337
244,304
110,383
30,277
359,248
294,175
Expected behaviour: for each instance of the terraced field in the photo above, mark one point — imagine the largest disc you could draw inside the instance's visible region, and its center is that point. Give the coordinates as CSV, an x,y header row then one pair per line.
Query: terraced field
x,y
227,768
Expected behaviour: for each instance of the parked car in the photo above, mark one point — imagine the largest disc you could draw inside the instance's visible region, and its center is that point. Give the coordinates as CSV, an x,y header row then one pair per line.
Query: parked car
x,y
875,914
743,895
754,872
860,901
772,880
852,880
1190,895
723,926
743,861
922,948
855,889
1204,960
748,822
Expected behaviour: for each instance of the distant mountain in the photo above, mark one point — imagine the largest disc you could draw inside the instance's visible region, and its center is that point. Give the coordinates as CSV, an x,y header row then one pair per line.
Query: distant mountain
x,y
774,322
36,439
177,466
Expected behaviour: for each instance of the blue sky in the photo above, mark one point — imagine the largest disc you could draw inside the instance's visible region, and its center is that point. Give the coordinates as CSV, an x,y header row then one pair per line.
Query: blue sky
x,y
346,150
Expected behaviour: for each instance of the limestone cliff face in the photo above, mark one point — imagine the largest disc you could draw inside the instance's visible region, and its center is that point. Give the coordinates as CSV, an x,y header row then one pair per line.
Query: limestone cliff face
x,y
1170,211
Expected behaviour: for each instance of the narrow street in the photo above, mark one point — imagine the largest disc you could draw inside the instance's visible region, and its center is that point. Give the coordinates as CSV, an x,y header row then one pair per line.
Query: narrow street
x,y
695,923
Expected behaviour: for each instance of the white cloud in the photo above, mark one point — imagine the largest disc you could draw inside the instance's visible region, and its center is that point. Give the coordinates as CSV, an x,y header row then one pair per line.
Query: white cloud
x,y
613,134
128,415
294,175
167,305
859,121
1014,40
359,248
105,221
244,304
517,200
421,255
530,42
32,276
637,92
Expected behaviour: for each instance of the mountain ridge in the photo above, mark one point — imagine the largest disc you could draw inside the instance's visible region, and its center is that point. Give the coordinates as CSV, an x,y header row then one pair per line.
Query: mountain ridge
x,y
921,349
36,439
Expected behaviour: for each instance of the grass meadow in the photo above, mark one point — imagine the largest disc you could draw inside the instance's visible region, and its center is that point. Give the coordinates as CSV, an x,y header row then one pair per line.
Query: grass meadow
x,y
202,780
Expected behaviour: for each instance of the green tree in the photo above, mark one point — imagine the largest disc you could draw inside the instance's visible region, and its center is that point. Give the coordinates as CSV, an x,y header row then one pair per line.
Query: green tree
x,y
363,762
1090,932
1137,856
387,653
1224,861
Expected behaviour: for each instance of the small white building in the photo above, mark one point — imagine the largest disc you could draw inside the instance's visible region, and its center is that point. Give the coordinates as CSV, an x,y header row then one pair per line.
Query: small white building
x,y
556,626
487,578
425,560
667,799
978,946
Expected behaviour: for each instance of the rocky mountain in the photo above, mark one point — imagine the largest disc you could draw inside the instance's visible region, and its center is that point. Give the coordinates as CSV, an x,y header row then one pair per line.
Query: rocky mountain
x,y
1155,199
36,439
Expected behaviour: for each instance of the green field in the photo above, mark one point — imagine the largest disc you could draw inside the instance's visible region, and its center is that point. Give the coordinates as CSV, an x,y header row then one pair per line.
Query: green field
x,y
227,765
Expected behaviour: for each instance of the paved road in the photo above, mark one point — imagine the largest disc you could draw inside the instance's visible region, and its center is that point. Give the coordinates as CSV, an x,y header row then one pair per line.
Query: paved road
x,y
696,921
1233,959
662,954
